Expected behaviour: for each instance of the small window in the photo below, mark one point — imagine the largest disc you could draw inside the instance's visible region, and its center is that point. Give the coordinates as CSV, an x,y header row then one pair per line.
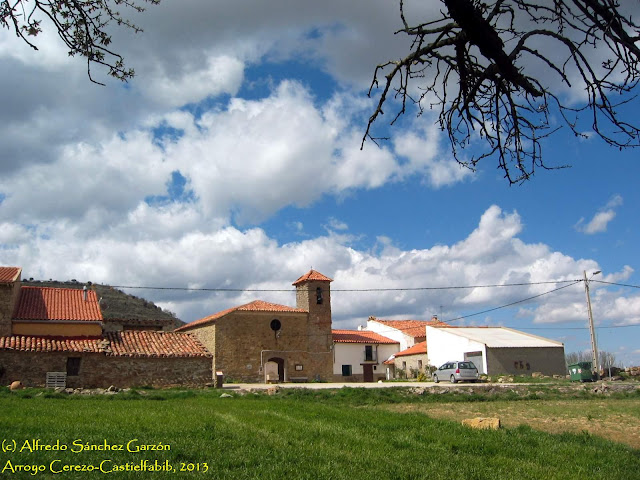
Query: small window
x,y
404,365
368,353
346,370
420,364
275,325
319,296
73,366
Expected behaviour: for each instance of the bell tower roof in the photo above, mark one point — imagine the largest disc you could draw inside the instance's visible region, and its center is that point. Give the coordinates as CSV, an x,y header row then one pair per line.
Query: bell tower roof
x,y
312,276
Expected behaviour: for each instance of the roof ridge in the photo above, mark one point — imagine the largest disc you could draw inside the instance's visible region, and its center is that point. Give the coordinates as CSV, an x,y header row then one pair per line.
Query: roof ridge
x,y
312,275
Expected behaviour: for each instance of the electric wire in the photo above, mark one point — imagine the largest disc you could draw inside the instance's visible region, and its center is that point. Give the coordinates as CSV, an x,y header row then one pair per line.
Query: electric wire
x,y
400,289
512,303
616,284
569,283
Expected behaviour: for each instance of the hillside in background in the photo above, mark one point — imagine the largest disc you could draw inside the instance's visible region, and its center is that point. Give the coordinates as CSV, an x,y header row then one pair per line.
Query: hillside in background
x,y
114,303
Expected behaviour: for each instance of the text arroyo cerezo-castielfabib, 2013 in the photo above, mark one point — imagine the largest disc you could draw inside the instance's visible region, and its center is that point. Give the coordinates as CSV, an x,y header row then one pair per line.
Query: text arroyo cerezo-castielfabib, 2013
x,y
67,457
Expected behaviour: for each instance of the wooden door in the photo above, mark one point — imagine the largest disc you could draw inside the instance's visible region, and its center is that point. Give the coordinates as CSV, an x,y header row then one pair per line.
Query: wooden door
x,y
367,371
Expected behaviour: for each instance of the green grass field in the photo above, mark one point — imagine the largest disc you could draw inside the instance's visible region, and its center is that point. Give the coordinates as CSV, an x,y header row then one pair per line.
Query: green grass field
x,y
295,435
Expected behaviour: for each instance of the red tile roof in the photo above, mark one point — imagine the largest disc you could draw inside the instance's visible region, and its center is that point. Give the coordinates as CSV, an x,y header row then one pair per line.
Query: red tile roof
x,y
312,275
51,344
155,344
9,274
255,306
413,328
417,349
359,336
45,303
117,344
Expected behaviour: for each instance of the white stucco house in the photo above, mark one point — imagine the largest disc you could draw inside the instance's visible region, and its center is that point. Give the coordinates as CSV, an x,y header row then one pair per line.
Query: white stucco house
x,y
406,332
495,350
358,355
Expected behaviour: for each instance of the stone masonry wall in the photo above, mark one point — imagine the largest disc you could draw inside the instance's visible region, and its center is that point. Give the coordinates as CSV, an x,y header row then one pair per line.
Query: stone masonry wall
x,y
99,370
244,341
207,336
8,298
319,337
411,362
525,361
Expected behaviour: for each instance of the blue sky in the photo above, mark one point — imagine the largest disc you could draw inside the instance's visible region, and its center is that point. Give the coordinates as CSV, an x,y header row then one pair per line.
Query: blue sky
x,y
233,160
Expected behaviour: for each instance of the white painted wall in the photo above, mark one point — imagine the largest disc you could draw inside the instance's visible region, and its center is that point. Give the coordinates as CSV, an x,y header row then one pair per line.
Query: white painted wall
x,y
353,354
443,346
406,341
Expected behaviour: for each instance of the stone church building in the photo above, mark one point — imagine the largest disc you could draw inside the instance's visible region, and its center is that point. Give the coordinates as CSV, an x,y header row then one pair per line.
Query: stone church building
x,y
267,342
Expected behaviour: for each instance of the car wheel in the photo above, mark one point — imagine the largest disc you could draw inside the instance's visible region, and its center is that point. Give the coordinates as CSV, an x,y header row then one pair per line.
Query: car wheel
x,y
453,379
435,379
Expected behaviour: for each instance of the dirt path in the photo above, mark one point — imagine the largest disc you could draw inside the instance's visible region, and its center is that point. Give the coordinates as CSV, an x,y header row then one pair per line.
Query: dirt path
x,y
615,419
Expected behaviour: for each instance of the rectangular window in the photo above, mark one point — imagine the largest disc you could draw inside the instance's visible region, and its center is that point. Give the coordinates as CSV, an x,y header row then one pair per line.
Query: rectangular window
x,y
73,366
346,370
419,364
404,365
368,353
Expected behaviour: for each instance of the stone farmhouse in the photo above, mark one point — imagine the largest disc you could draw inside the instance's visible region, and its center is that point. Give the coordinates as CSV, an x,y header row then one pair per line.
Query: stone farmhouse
x,y
58,335
409,362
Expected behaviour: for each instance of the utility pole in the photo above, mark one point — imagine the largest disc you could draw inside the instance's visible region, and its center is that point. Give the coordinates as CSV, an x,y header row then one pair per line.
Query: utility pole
x,y
592,330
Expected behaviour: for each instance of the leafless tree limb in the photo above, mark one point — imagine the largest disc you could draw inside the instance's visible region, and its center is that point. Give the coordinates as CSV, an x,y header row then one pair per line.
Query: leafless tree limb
x,y
499,70
81,24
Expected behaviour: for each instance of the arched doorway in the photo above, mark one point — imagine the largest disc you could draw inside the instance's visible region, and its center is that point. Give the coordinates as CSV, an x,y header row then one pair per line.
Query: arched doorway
x,y
280,363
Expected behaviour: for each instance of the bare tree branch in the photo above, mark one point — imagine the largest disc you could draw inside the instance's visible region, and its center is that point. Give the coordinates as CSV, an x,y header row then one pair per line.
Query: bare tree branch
x,y
499,71
81,24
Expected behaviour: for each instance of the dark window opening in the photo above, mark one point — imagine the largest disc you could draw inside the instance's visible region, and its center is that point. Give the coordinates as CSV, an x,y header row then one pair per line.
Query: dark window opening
x,y
73,366
368,353
319,296
346,370
276,325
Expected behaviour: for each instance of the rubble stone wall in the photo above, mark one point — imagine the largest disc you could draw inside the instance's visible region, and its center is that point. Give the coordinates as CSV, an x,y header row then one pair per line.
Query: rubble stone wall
x,y
100,370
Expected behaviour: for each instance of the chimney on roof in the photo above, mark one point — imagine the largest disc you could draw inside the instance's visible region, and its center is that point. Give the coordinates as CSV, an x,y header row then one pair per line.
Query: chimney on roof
x,y
85,293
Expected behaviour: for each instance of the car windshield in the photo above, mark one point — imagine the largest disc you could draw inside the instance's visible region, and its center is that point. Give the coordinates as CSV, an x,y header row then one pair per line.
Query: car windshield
x,y
466,365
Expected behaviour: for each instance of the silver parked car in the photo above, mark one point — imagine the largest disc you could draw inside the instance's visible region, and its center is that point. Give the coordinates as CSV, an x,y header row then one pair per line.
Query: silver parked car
x,y
456,372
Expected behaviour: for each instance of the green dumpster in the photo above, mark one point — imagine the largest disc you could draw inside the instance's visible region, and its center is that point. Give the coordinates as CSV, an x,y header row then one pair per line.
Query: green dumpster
x,y
581,372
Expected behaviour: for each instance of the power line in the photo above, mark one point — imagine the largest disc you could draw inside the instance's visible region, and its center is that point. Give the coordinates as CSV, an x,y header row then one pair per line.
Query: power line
x,y
601,327
568,283
616,284
513,303
401,289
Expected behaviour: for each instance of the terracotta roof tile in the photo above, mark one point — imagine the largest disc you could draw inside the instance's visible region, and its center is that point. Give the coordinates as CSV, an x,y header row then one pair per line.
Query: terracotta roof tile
x,y
117,344
255,306
154,344
51,344
417,349
312,275
45,303
359,336
9,274
413,328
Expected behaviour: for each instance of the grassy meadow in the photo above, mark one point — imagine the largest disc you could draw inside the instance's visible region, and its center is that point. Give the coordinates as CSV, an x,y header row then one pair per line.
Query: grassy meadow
x,y
349,433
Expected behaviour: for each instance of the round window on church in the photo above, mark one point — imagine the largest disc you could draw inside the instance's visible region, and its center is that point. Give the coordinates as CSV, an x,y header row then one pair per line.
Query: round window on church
x,y
276,325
